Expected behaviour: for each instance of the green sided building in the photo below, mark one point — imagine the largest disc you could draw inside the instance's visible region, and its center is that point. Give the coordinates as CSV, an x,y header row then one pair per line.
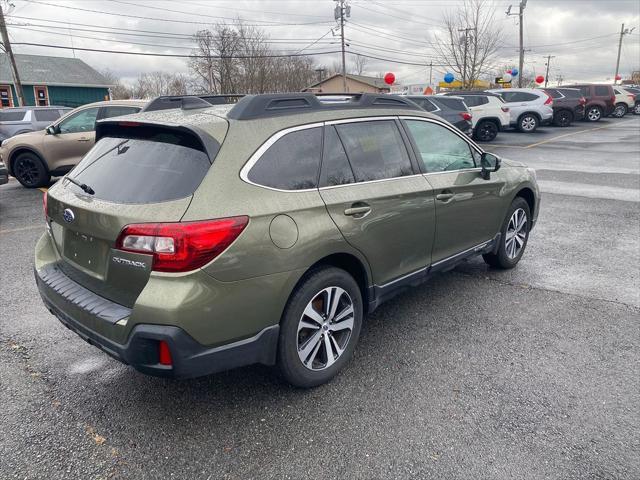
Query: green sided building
x,y
60,81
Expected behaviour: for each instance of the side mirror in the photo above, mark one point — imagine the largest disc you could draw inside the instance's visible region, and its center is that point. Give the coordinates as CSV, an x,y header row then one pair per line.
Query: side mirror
x,y
52,130
489,163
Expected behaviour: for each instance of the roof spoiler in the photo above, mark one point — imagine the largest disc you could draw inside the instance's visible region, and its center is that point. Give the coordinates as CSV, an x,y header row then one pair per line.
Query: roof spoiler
x,y
190,102
275,104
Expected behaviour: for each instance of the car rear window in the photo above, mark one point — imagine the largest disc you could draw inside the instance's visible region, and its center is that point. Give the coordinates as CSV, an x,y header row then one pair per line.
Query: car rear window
x,y
452,103
46,115
11,116
291,163
152,165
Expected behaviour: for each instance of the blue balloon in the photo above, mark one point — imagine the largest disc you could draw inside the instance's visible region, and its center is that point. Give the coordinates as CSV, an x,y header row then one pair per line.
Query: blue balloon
x,y
514,72
449,77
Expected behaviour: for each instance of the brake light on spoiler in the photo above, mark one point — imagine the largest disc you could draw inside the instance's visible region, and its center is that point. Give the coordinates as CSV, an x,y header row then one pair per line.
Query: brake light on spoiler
x,y
181,246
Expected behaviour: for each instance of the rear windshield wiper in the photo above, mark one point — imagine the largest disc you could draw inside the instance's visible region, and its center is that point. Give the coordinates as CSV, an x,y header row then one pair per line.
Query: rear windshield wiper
x,y
85,188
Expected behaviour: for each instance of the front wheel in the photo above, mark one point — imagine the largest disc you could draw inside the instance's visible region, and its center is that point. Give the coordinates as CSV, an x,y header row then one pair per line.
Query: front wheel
x,y
528,123
514,236
485,131
30,171
594,114
620,110
320,327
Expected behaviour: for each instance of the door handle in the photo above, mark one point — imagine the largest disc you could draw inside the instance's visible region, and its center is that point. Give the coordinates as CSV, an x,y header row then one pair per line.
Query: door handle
x,y
445,196
357,211
84,139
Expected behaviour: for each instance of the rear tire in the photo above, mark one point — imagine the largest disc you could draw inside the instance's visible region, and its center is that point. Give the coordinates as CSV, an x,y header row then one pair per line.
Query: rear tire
x,y
528,123
485,131
593,114
563,118
636,109
30,171
513,236
620,110
320,327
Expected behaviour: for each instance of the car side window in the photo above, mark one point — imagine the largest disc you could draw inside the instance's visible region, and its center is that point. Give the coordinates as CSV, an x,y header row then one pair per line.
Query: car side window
x,y
83,121
46,115
584,90
554,93
439,148
335,164
375,150
117,110
602,91
291,163
472,101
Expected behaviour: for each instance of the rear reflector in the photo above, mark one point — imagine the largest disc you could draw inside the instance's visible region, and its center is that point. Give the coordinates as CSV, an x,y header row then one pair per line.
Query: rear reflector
x,y
583,100
164,354
466,115
182,246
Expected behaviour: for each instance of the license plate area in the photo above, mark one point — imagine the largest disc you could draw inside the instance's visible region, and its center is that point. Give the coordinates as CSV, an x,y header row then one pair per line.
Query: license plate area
x,y
86,252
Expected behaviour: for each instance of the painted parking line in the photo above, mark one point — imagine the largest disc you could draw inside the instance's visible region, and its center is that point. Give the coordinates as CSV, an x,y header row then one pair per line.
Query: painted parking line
x,y
542,142
22,229
601,192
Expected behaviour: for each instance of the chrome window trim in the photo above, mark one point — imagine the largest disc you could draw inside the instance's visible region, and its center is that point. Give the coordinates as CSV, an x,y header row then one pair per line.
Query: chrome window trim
x,y
244,172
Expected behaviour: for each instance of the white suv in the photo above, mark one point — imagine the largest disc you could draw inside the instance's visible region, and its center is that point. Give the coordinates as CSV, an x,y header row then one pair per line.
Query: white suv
x,y
625,102
529,108
489,114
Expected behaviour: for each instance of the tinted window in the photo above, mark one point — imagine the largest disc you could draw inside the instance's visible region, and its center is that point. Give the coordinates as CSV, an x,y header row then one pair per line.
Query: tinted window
x,y
335,165
46,115
452,103
585,90
475,101
571,93
375,150
292,163
424,103
602,91
83,121
439,148
164,166
116,111
553,93
11,116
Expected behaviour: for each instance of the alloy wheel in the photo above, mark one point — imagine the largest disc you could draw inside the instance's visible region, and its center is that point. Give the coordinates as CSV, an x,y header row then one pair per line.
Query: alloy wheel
x,y
528,123
636,109
594,114
27,170
619,111
487,132
516,233
325,328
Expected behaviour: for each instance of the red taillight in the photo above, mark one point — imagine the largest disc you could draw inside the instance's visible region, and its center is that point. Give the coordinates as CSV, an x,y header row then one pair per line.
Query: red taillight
x,y
466,116
164,354
45,208
505,109
181,247
548,101
583,101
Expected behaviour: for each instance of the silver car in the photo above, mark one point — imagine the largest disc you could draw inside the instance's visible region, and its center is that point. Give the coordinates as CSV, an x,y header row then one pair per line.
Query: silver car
x,y
529,108
14,121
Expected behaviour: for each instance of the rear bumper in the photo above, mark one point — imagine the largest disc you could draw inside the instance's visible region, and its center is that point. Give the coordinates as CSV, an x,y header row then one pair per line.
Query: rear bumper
x,y
141,350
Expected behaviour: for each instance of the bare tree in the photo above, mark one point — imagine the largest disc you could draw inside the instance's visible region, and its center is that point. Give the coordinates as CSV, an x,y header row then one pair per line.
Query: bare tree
x,y
237,59
360,64
118,91
470,41
154,84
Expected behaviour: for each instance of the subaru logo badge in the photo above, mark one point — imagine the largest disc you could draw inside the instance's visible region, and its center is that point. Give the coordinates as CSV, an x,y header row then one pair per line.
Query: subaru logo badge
x,y
68,215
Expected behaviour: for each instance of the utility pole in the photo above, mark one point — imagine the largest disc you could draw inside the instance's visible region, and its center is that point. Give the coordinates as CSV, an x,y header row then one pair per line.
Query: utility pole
x,y
546,77
559,79
14,68
464,57
430,72
341,12
523,3
623,32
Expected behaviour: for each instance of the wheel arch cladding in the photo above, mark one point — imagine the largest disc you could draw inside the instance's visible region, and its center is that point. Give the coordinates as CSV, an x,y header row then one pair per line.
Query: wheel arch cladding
x,y
529,197
14,156
352,265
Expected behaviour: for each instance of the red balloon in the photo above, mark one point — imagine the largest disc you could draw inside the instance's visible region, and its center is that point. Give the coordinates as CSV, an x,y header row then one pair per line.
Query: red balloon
x,y
509,71
389,78
539,79
618,77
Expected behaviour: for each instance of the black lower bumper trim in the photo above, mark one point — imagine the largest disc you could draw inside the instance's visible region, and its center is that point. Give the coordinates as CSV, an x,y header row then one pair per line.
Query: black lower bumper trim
x,y
190,358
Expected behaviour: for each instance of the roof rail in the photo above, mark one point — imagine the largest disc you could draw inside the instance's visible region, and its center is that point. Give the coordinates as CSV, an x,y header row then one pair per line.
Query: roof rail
x,y
189,102
276,104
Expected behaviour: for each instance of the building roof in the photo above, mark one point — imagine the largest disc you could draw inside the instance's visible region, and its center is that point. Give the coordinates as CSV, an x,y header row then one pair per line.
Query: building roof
x,y
371,81
45,70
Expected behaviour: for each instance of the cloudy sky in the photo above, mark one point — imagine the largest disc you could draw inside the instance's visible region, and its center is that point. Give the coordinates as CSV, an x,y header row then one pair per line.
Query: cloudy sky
x,y
581,34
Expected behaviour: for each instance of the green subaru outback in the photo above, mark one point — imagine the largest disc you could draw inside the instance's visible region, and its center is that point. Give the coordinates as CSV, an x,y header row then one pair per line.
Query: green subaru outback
x,y
203,238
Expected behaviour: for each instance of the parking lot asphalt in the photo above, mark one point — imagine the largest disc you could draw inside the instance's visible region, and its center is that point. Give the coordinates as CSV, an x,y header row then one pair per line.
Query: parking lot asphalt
x,y
530,373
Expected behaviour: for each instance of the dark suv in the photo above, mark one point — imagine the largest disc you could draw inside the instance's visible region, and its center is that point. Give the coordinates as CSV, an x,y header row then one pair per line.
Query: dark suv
x,y
601,101
452,109
568,105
